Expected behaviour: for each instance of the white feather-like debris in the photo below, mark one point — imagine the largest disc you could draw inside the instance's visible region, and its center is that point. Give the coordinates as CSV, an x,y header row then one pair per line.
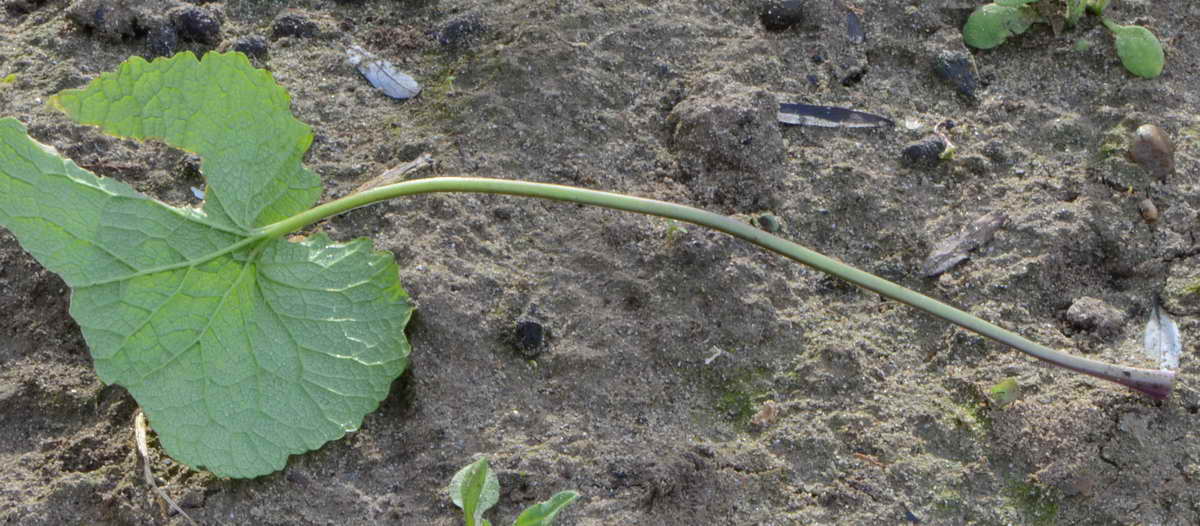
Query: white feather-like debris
x,y
382,74
829,117
1162,339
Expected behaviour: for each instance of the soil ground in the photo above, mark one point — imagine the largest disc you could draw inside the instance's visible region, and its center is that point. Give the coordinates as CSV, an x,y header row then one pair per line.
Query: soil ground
x,y
883,413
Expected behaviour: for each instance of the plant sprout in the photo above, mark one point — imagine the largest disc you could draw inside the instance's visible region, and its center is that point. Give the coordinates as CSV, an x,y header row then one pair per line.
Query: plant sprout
x,y
475,489
991,24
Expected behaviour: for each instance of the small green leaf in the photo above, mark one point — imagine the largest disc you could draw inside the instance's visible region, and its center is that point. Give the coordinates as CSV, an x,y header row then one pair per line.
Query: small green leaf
x,y
1074,11
543,513
475,490
1139,49
1005,392
1096,7
991,24
240,349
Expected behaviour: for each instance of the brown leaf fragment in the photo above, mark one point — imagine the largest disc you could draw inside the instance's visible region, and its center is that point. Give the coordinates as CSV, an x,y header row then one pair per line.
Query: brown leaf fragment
x,y
766,415
954,250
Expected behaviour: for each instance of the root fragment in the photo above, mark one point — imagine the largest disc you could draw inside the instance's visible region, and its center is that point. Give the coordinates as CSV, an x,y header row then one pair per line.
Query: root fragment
x,y
139,432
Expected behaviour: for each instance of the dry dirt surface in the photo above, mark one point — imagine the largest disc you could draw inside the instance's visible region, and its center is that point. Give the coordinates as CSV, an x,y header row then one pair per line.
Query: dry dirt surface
x,y
882,415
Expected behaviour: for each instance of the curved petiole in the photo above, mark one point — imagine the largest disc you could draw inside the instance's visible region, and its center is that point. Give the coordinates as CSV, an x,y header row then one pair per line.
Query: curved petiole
x,y
1156,383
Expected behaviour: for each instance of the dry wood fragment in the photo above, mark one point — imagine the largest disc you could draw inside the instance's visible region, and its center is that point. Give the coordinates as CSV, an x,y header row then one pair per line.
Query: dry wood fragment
x,y
954,250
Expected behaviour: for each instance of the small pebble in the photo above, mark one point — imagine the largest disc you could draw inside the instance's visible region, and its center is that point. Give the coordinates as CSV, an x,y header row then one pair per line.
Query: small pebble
x,y
958,70
460,32
1152,149
926,152
530,337
853,77
780,15
293,25
1090,314
196,24
1148,210
770,223
254,46
162,40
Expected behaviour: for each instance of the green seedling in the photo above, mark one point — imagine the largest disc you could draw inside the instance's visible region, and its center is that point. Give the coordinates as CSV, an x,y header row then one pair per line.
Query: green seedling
x,y
1005,392
474,489
990,25
674,231
1139,49
243,346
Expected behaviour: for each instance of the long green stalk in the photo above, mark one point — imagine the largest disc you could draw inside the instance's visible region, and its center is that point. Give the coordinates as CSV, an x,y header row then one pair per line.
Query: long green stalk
x,y
1156,383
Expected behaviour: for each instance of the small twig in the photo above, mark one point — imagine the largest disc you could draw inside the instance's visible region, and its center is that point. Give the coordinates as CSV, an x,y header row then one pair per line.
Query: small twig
x,y
139,431
571,43
397,173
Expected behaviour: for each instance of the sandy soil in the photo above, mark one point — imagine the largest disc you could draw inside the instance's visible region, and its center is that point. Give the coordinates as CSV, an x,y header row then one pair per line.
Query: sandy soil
x,y
883,413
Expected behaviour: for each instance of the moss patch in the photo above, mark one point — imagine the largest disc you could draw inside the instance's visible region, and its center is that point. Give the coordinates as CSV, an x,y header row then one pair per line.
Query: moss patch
x,y
1037,503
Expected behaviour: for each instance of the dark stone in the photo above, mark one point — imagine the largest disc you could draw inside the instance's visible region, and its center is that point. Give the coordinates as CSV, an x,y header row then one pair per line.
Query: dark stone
x,y
958,70
926,152
293,25
23,7
502,213
461,32
162,40
530,337
770,223
196,24
854,77
781,15
189,167
253,46
113,21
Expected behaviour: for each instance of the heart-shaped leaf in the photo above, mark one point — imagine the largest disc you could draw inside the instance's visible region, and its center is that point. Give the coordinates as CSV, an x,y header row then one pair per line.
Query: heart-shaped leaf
x,y
240,348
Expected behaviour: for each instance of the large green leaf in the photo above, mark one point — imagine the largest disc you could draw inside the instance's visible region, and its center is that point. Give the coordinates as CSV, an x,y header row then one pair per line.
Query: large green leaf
x,y
240,349
235,117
